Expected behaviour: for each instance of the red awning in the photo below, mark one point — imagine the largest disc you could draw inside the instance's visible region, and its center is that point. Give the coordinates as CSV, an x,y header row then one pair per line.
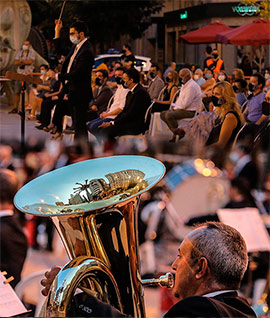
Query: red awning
x,y
206,34
255,33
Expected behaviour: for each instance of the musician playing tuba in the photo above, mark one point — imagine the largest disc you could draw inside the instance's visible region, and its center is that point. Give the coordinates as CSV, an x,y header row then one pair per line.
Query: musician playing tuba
x,y
209,267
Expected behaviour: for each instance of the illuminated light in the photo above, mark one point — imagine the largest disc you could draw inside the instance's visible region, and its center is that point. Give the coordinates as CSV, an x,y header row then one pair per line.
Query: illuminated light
x,y
210,164
57,198
198,162
161,205
244,9
42,201
214,173
265,308
206,172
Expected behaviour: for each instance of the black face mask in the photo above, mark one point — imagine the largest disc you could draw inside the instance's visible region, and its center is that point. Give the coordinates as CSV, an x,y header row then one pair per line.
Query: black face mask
x,y
99,81
251,87
168,80
152,75
180,81
119,80
233,77
236,89
217,101
123,51
266,108
215,56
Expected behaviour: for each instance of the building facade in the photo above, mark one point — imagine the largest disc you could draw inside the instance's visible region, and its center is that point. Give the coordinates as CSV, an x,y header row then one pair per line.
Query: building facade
x,y
162,40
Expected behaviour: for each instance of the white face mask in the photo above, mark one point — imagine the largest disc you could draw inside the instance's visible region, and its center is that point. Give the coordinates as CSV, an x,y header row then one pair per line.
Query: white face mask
x,y
25,47
196,77
267,76
43,72
74,39
221,78
234,157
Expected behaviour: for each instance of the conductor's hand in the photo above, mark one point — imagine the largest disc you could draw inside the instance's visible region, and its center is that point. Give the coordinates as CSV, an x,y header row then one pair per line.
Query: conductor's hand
x,y
49,278
58,27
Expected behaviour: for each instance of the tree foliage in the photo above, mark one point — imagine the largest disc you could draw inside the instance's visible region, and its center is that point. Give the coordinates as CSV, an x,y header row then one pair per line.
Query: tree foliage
x,y
106,20
264,7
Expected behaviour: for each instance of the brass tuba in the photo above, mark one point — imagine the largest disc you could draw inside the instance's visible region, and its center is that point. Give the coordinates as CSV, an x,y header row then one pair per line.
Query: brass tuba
x,y
93,205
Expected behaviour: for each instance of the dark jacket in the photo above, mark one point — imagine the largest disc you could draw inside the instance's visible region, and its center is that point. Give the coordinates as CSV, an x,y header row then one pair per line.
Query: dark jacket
x,y
13,247
223,305
101,98
79,77
134,110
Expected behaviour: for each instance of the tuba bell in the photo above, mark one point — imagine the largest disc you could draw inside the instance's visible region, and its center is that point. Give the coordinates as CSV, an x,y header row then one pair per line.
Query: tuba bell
x,y
93,205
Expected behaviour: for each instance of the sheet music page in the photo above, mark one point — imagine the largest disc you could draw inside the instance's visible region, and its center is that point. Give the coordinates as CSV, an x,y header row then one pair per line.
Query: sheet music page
x,y
249,223
10,304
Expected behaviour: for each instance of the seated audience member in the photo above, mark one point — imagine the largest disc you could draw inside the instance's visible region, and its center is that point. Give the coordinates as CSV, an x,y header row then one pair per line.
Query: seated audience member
x,y
119,100
101,95
222,76
168,93
49,100
267,86
131,121
245,163
240,88
156,83
188,102
237,74
13,242
209,83
192,68
209,267
198,77
170,68
225,122
111,81
253,111
36,94
62,109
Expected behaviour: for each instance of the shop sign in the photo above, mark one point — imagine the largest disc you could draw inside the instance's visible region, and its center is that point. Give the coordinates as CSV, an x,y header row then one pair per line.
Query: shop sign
x,y
244,9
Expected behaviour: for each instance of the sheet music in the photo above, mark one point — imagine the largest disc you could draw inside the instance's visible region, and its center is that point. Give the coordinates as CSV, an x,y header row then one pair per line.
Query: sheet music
x,y
248,222
10,304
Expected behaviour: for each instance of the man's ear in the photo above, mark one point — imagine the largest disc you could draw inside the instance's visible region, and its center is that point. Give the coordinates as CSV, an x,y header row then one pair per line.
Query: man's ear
x,y
202,268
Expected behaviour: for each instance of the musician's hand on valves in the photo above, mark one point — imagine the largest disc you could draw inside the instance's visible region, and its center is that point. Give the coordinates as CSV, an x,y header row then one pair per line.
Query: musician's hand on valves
x,y
49,278
58,27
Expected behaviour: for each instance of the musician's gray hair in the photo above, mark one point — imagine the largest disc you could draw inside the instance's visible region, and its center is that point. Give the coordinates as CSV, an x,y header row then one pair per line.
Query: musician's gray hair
x,y
226,252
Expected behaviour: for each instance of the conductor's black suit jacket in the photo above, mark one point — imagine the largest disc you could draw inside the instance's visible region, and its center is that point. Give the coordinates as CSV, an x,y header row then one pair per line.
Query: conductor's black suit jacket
x,y
79,76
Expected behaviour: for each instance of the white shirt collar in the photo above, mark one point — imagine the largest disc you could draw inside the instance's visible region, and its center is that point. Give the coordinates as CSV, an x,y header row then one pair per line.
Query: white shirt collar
x,y
6,213
213,294
78,46
133,88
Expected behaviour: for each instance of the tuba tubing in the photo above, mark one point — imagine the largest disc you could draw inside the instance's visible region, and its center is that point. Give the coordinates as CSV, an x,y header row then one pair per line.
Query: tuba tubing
x,y
96,219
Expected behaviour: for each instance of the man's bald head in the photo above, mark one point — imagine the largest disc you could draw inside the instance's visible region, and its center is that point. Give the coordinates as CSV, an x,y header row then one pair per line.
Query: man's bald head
x,y
9,186
185,74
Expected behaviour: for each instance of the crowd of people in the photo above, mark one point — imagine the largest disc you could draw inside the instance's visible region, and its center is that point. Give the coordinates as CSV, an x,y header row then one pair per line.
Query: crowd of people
x,y
116,99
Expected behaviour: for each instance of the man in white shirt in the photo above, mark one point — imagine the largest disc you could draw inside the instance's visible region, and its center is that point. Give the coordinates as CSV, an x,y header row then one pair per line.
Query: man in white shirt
x,y
119,100
188,102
